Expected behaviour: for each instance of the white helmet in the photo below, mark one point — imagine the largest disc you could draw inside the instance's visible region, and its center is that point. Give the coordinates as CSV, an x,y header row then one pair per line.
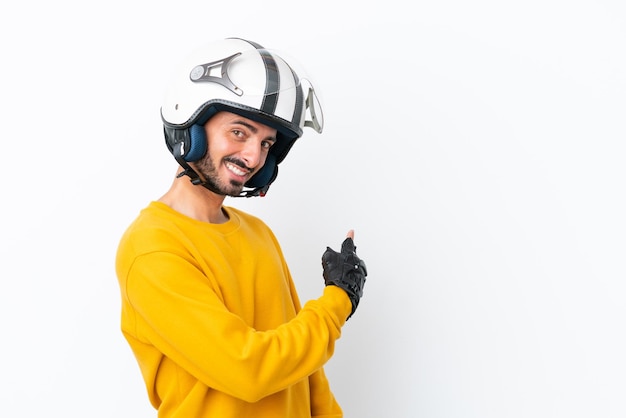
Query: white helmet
x,y
241,77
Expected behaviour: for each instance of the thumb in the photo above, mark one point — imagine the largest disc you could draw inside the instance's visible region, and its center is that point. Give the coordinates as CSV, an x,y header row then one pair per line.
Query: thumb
x,y
348,247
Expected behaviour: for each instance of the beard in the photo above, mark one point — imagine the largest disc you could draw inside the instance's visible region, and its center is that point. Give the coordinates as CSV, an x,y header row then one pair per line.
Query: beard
x,y
208,170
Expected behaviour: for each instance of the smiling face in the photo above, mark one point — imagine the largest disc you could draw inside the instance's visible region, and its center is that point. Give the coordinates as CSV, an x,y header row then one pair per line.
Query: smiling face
x,y
237,149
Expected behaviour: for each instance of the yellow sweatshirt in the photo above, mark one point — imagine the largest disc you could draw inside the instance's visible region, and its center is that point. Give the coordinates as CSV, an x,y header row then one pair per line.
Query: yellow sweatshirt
x,y
212,316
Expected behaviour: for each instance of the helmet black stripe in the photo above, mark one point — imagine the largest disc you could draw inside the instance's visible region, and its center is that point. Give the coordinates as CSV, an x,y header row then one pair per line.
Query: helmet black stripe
x,y
272,83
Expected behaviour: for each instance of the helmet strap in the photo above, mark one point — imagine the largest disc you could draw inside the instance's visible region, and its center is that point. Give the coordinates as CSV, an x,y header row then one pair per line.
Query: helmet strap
x,y
257,191
177,151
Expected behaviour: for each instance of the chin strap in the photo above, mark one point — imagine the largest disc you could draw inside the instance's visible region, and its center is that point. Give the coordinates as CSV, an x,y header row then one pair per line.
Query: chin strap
x,y
258,191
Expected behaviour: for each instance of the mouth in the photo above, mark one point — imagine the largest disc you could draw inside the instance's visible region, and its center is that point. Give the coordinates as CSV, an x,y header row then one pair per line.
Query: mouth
x,y
236,170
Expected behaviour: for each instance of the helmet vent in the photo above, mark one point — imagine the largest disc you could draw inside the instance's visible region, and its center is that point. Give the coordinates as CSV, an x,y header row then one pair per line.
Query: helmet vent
x,y
206,73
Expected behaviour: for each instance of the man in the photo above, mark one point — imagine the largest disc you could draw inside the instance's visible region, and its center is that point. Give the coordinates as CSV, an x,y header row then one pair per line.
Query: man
x,y
208,304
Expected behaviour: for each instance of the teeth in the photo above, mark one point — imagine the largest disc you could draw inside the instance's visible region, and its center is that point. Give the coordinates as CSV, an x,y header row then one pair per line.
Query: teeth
x,y
236,169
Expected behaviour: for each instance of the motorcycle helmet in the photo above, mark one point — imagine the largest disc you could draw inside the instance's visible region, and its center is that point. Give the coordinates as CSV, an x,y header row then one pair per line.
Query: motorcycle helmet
x,y
241,77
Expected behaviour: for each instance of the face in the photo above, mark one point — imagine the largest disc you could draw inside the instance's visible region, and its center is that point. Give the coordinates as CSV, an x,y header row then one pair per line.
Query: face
x,y
237,149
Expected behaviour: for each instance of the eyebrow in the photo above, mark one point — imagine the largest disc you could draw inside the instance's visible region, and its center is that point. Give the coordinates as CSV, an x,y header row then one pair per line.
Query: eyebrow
x,y
246,124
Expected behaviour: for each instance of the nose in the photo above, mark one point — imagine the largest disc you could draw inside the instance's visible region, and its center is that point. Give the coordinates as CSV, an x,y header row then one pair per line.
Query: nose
x,y
252,153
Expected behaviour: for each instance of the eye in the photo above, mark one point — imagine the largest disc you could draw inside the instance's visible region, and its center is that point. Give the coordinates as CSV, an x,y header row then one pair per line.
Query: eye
x,y
238,133
267,144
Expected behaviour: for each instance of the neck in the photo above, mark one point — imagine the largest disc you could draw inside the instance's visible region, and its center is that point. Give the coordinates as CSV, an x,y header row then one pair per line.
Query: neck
x,y
195,201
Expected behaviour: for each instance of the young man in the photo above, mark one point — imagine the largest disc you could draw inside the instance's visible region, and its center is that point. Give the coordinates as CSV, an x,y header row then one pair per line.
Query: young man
x,y
208,304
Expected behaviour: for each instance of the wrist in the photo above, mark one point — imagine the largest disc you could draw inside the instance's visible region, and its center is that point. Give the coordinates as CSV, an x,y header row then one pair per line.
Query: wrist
x,y
341,303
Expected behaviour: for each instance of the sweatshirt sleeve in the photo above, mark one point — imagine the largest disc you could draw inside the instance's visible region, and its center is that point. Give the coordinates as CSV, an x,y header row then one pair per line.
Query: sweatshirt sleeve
x,y
188,322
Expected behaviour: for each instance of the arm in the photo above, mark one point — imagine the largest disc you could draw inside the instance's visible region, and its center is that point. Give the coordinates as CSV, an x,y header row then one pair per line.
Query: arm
x,y
188,322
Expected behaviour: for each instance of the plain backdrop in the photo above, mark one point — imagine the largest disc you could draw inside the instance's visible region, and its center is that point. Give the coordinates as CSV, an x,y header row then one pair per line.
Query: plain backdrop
x,y
477,149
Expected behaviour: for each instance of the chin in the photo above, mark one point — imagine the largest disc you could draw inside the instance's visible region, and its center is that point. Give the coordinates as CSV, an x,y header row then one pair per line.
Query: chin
x,y
234,189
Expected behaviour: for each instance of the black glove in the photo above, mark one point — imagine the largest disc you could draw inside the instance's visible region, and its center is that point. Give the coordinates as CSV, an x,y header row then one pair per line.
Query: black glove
x,y
346,271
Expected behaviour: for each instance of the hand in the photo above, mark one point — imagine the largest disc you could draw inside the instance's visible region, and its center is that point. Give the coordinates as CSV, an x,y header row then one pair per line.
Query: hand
x,y
345,270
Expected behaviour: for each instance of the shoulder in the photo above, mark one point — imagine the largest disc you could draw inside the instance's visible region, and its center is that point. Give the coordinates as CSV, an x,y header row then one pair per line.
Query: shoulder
x,y
154,228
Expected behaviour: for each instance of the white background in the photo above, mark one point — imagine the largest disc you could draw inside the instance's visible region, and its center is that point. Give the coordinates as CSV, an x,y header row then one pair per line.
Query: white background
x,y
477,149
